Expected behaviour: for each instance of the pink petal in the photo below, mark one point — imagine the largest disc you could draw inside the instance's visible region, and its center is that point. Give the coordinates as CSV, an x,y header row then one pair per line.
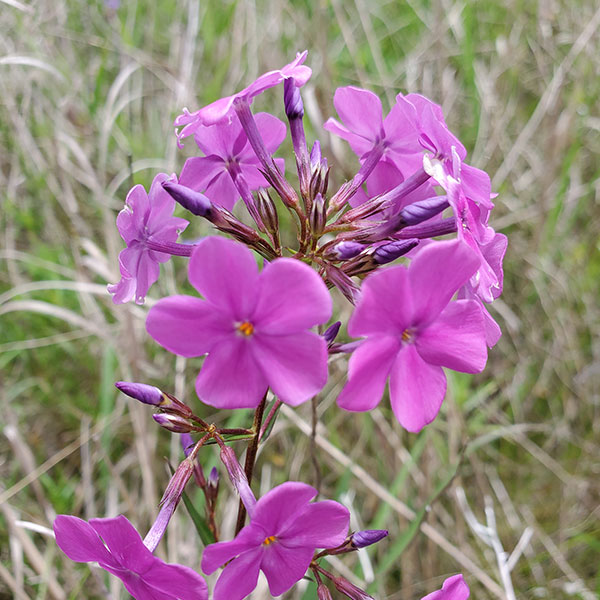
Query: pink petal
x,y
230,377
177,581
359,144
199,171
454,588
137,200
385,305
125,543
146,274
417,389
360,111
239,577
436,273
187,326
161,204
284,567
226,274
272,131
222,191
456,339
401,129
291,297
294,365
136,586
368,370
78,540
320,525
218,139
492,330
216,555
123,291
476,185
281,505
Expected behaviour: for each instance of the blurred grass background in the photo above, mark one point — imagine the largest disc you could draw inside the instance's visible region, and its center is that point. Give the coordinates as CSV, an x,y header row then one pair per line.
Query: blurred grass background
x,y
88,91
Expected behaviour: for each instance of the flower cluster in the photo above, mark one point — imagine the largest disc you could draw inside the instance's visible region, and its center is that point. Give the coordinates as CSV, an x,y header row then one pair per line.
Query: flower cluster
x,y
266,329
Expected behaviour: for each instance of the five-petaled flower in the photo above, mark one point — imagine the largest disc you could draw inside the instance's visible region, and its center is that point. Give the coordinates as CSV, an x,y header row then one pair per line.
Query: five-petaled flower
x,y
146,223
413,330
118,548
254,326
285,530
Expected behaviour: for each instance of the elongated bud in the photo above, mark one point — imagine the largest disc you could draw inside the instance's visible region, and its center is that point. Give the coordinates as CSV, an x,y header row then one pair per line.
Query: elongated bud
x,y
362,539
350,590
388,252
238,478
345,250
428,230
341,281
213,478
318,215
197,203
294,108
148,394
331,332
416,213
323,593
173,423
267,211
187,443
315,156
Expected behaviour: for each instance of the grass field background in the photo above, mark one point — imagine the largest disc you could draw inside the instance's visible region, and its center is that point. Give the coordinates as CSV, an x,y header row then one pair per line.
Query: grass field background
x,y
88,92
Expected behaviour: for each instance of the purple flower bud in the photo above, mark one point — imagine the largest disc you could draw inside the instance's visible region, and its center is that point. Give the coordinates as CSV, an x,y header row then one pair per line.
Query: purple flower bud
x,y
389,252
195,202
341,281
318,215
187,443
148,394
347,250
173,423
315,155
294,108
350,590
428,230
267,211
238,478
331,332
416,213
362,539
323,593
213,478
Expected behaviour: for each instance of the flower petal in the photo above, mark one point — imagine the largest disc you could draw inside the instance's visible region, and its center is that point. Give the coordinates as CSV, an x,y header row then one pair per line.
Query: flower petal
x,y
80,542
291,297
281,505
216,555
456,339
294,365
417,389
199,171
222,191
272,131
283,566
125,543
230,377
187,326
454,588
360,110
320,525
239,577
435,274
368,371
226,274
177,581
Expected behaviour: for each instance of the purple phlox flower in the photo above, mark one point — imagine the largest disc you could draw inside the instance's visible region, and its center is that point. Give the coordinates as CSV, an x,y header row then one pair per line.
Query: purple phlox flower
x,y
118,548
222,109
146,218
284,531
254,326
228,153
413,330
454,588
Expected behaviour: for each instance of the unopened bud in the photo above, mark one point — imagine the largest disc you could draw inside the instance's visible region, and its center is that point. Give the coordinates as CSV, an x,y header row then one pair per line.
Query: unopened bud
x,y
148,394
213,478
315,155
362,539
346,250
294,108
331,332
318,215
323,593
417,212
173,423
267,211
341,281
350,590
178,482
197,203
386,253
238,478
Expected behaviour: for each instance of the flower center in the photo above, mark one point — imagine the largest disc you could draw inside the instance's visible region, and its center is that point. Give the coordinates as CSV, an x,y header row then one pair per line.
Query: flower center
x,y
269,540
246,328
408,336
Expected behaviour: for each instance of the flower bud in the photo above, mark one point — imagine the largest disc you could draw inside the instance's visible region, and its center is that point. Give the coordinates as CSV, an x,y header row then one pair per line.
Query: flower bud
x,y
341,281
386,253
213,478
318,215
267,211
238,478
148,394
173,423
315,156
294,108
362,539
346,250
323,593
197,203
331,332
350,590
417,212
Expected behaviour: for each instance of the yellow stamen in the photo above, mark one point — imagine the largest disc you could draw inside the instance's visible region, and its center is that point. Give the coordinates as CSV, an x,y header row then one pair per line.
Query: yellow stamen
x,y
269,540
246,328
406,336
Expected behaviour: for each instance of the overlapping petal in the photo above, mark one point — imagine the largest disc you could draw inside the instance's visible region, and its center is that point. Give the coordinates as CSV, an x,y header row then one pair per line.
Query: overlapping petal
x,y
284,566
454,588
80,542
216,555
239,577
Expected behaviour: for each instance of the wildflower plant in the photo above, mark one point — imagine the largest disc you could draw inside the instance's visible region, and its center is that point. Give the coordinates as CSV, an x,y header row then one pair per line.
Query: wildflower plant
x,y
266,331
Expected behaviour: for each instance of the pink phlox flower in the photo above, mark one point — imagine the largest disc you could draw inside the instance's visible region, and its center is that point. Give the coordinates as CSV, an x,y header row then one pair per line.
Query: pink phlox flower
x,y
454,588
145,217
284,531
222,109
413,330
227,150
254,327
118,548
